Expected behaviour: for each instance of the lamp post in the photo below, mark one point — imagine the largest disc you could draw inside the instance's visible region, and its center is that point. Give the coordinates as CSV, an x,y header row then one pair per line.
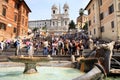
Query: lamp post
x,y
81,12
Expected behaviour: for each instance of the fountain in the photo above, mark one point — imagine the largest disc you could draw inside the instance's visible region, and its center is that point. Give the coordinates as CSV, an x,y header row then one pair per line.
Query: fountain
x,y
45,69
95,70
30,62
54,73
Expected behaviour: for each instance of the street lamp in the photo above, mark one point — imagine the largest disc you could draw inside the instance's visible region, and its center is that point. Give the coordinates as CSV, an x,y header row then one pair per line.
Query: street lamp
x,y
81,12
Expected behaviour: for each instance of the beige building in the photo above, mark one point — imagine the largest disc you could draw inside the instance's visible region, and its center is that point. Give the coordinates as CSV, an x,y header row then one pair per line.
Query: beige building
x,y
104,19
81,20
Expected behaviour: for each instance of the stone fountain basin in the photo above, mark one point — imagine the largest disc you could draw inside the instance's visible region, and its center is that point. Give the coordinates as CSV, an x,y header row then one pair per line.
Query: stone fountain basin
x,y
30,62
28,59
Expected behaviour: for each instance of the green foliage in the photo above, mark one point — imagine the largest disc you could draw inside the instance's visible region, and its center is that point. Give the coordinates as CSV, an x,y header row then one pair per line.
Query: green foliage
x,y
72,25
44,28
35,29
85,27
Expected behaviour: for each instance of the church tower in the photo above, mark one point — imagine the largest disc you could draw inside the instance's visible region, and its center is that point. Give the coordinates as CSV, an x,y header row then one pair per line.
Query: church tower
x,y
59,20
66,9
66,16
54,11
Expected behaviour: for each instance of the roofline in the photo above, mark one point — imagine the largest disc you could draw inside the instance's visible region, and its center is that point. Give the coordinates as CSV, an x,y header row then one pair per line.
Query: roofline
x,y
38,20
26,5
88,4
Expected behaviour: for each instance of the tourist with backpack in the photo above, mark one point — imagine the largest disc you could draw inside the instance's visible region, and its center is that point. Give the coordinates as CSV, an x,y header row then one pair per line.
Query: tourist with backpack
x,y
17,47
60,47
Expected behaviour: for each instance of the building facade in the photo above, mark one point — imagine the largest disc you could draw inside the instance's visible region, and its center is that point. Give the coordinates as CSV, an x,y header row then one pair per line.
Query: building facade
x,y
81,21
104,19
39,24
58,23
13,18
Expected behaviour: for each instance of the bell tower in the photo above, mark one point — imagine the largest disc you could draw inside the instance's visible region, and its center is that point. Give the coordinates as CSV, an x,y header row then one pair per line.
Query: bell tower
x,y
54,11
66,8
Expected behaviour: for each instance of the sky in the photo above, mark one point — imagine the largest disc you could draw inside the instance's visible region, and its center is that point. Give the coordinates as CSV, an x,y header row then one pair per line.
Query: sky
x,y
41,9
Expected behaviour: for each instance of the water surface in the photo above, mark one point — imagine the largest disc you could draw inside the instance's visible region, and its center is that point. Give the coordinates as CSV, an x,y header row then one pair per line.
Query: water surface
x,y
44,73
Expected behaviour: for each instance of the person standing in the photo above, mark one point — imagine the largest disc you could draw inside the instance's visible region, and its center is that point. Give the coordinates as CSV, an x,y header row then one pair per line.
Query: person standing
x,y
91,44
60,47
45,49
17,47
2,46
27,46
31,50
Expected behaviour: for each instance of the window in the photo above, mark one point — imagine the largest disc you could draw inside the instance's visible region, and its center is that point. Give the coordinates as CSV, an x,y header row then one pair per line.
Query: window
x,y
53,11
15,30
2,26
65,22
100,2
101,16
16,5
22,31
111,9
94,31
89,11
89,22
4,11
6,1
102,29
26,23
23,20
65,10
94,19
26,13
15,17
112,24
53,23
90,33
93,6
23,10
119,6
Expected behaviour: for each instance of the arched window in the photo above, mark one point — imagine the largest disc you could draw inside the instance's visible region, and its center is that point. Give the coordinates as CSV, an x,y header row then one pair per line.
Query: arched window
x,y
53,11
65,10
2,26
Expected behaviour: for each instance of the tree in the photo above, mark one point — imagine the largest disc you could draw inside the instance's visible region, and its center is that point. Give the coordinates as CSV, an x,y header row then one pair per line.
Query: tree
x,y
35,29
44,28
71,25
85,27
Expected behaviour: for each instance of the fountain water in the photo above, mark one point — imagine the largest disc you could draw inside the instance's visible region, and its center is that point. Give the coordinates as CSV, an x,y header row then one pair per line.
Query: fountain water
x,y
52,70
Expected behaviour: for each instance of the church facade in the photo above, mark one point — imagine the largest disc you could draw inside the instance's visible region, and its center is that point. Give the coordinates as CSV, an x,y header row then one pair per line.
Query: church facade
x,y
58,23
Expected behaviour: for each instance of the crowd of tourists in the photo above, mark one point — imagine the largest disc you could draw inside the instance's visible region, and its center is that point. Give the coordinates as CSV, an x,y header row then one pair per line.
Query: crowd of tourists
x,y
62,45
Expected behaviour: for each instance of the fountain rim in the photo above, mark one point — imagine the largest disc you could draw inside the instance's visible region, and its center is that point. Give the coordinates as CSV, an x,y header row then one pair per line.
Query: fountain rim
x,y
27,59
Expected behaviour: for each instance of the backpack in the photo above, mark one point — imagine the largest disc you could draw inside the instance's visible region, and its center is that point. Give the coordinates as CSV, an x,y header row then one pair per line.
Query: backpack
x,y
16,43
0,45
